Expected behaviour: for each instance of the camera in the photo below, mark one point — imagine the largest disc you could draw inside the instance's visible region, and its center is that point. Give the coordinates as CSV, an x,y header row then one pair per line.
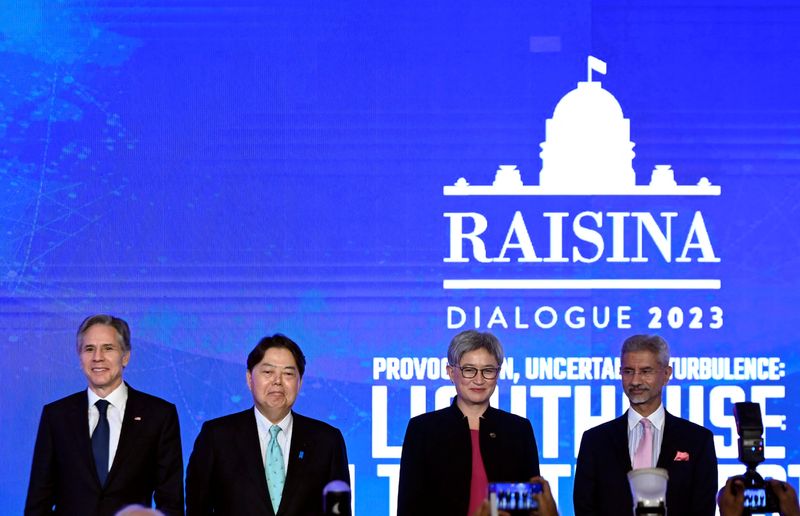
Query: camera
x,y
516,498
758,495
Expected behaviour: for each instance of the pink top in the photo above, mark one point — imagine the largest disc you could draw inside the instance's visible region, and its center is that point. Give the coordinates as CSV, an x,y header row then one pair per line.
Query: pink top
x,y
478,484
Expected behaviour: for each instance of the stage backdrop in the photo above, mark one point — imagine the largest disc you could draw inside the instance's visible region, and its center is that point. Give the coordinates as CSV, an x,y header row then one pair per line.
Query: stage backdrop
x,y
371,178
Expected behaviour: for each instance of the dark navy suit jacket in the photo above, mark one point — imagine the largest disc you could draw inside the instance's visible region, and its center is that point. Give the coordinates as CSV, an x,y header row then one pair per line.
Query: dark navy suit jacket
x,y
148,463
601,483
226,472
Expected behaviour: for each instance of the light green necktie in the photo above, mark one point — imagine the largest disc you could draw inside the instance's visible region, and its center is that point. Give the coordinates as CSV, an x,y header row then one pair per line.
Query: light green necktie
x,y
276,475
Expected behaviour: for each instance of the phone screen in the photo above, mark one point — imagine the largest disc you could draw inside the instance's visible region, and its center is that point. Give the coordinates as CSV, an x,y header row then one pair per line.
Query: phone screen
x,y
515,498
755,498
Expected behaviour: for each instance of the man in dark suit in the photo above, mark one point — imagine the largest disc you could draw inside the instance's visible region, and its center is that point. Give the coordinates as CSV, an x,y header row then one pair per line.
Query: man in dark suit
x,y
645,436
109,446
267,459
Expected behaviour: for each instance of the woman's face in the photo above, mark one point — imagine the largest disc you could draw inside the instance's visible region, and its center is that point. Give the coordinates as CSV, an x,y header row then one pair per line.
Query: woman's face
x,y
475,390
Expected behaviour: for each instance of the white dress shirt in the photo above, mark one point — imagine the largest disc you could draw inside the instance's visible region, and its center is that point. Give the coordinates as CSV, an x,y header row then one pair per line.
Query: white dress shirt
x,y
115,414
284,437
636,431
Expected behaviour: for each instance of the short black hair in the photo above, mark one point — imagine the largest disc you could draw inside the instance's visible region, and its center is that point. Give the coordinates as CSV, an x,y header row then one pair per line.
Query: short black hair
x,y
277,341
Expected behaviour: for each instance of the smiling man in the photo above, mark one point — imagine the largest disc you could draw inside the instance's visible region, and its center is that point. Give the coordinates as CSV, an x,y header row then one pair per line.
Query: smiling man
x,y
267,459
109,446
646,436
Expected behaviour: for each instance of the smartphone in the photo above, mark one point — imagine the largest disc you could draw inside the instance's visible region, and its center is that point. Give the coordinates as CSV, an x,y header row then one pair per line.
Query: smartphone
x,y
516,498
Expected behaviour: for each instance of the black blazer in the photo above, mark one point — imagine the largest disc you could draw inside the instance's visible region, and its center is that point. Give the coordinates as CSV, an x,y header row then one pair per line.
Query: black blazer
x,y
436,464
601,482
148,463
226,472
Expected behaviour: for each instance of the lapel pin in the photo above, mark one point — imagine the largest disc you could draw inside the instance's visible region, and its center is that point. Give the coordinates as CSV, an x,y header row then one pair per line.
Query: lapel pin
x,y
300,455
137,418
492,435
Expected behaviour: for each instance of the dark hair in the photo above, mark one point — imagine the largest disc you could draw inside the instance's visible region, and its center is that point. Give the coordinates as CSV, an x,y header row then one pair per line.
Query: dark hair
x,y
123,331
277,341
470,340
652,343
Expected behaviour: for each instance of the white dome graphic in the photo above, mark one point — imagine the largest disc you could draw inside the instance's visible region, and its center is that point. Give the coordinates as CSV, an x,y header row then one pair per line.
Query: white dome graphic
x,y
588,101
587,151
588,118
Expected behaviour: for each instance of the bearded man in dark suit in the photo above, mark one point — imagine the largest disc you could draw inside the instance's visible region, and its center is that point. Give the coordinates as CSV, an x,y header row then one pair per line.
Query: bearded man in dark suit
x,y
267,459
645,436
109,446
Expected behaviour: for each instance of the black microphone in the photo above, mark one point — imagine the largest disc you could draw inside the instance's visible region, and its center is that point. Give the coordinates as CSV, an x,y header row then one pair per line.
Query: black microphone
x,y
336,499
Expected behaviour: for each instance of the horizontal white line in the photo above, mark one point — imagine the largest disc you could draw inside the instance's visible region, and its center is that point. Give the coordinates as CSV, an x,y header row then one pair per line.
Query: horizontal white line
x,y
581,284
532,190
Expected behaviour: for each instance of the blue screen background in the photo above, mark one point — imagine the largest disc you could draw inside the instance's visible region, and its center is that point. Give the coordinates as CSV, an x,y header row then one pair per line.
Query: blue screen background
x,y
216,173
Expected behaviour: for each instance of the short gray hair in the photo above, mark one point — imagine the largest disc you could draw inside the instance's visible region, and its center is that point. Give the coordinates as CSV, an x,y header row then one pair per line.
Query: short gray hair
x,y
470,340
653,343
122,328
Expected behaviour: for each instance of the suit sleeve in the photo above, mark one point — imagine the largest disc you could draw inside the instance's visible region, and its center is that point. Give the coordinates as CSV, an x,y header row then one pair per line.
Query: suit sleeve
x,y
340,469
169,483
411,491
705,478
199,492
583,495
41,488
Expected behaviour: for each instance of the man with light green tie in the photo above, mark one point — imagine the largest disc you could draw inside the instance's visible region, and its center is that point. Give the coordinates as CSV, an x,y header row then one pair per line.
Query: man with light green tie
x,y
268,459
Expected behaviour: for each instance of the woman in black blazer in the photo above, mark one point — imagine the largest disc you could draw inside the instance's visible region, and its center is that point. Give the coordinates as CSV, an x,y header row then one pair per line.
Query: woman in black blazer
x,y
441,472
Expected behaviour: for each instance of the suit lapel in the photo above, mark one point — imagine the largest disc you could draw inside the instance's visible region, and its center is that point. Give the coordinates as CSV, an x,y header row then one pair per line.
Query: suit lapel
x,y
300,452
490,434
78,425
620,441
254,463
668,447
132,424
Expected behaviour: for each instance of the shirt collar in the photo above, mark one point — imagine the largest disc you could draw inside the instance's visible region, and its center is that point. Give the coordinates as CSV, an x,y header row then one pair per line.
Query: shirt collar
x,y
117,398
265,424
457,411
656,418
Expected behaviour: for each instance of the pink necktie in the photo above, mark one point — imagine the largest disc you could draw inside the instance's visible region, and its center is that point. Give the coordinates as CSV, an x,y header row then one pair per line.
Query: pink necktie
x,y
643,458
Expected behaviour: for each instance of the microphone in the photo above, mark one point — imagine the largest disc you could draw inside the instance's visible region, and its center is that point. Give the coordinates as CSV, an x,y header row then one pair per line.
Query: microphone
x,y
649,490
336,499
